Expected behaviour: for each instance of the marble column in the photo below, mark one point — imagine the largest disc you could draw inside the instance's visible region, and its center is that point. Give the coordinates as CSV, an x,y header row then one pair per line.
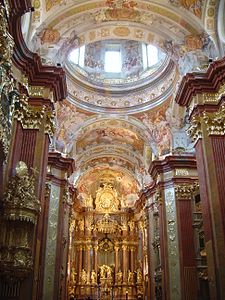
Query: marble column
x,y
59,169
80,261
117,266
88,258
204,99
31,130
124,259
177,250
95,258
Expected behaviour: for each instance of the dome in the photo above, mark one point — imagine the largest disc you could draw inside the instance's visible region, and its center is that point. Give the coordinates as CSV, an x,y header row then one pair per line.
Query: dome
x,y
133,63
138,68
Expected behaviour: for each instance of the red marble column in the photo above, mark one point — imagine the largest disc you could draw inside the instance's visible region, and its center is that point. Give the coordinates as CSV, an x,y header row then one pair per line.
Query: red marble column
x,y
180,173
187,247
204,97
30,144
211,167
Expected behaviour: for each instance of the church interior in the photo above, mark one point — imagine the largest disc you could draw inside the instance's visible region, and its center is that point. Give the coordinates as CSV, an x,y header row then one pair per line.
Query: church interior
x,y
112,139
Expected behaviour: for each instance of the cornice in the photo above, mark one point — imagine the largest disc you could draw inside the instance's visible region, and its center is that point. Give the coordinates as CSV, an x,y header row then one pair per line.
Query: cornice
x,y
170,163
30,63
197,83
62,163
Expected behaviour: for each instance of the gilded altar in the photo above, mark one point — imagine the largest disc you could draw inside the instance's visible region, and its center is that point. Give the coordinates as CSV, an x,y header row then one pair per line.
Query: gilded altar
x,y
104,249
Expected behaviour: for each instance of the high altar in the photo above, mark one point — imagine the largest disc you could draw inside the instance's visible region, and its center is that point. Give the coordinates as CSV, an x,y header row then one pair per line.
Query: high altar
x,y
105,249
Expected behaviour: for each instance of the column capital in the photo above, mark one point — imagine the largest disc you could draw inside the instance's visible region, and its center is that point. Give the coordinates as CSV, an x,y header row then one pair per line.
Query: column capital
x,y
185,191
213,121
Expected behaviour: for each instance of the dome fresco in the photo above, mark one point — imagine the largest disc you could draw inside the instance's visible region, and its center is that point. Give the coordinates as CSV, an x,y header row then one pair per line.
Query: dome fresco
x,y
116,62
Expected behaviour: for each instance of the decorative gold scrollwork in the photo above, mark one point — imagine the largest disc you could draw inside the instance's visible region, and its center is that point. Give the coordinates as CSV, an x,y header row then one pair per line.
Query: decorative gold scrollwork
x,y
20,201
32,117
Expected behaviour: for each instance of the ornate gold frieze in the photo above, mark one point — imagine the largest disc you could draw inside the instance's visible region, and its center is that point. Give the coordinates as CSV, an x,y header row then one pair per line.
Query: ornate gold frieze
x,y
20,201
106,225
185,191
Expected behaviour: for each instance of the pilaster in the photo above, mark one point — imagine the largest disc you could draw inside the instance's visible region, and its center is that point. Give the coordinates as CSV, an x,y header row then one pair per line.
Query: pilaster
x,y
204,97
54,264
178,271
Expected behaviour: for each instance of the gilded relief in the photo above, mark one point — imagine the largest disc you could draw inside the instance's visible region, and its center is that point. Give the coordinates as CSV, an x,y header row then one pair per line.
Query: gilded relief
x,y
50,36
49,4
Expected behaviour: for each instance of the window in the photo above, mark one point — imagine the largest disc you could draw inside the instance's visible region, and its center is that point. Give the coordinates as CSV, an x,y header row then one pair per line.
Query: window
x,y
152,54
113,63
149,56
77,56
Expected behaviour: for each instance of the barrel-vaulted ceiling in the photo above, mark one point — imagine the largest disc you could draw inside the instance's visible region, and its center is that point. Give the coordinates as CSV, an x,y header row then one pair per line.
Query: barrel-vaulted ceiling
x,y
113,130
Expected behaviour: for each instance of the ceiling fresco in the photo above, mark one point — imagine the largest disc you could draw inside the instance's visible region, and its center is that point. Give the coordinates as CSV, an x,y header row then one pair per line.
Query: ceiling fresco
x,y
127,187
113,125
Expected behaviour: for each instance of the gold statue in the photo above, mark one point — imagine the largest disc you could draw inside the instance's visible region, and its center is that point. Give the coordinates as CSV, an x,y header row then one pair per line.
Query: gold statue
x,y
81,224
105,272
130,277
73,276
139,276
93,277
119,277
83,277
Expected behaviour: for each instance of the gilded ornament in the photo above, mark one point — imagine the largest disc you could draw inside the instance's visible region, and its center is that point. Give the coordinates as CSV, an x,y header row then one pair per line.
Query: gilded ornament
x,y
107,225
6,41
185,191
20,201
105,272
215,121
72,282
32,117
106,245
93,278
119,277
139,277
83,277
107,199
195,131
130,277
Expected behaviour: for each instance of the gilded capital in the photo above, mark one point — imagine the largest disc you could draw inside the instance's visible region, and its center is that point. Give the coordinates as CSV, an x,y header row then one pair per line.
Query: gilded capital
x,y
185,191
215,121
32,117
195,130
